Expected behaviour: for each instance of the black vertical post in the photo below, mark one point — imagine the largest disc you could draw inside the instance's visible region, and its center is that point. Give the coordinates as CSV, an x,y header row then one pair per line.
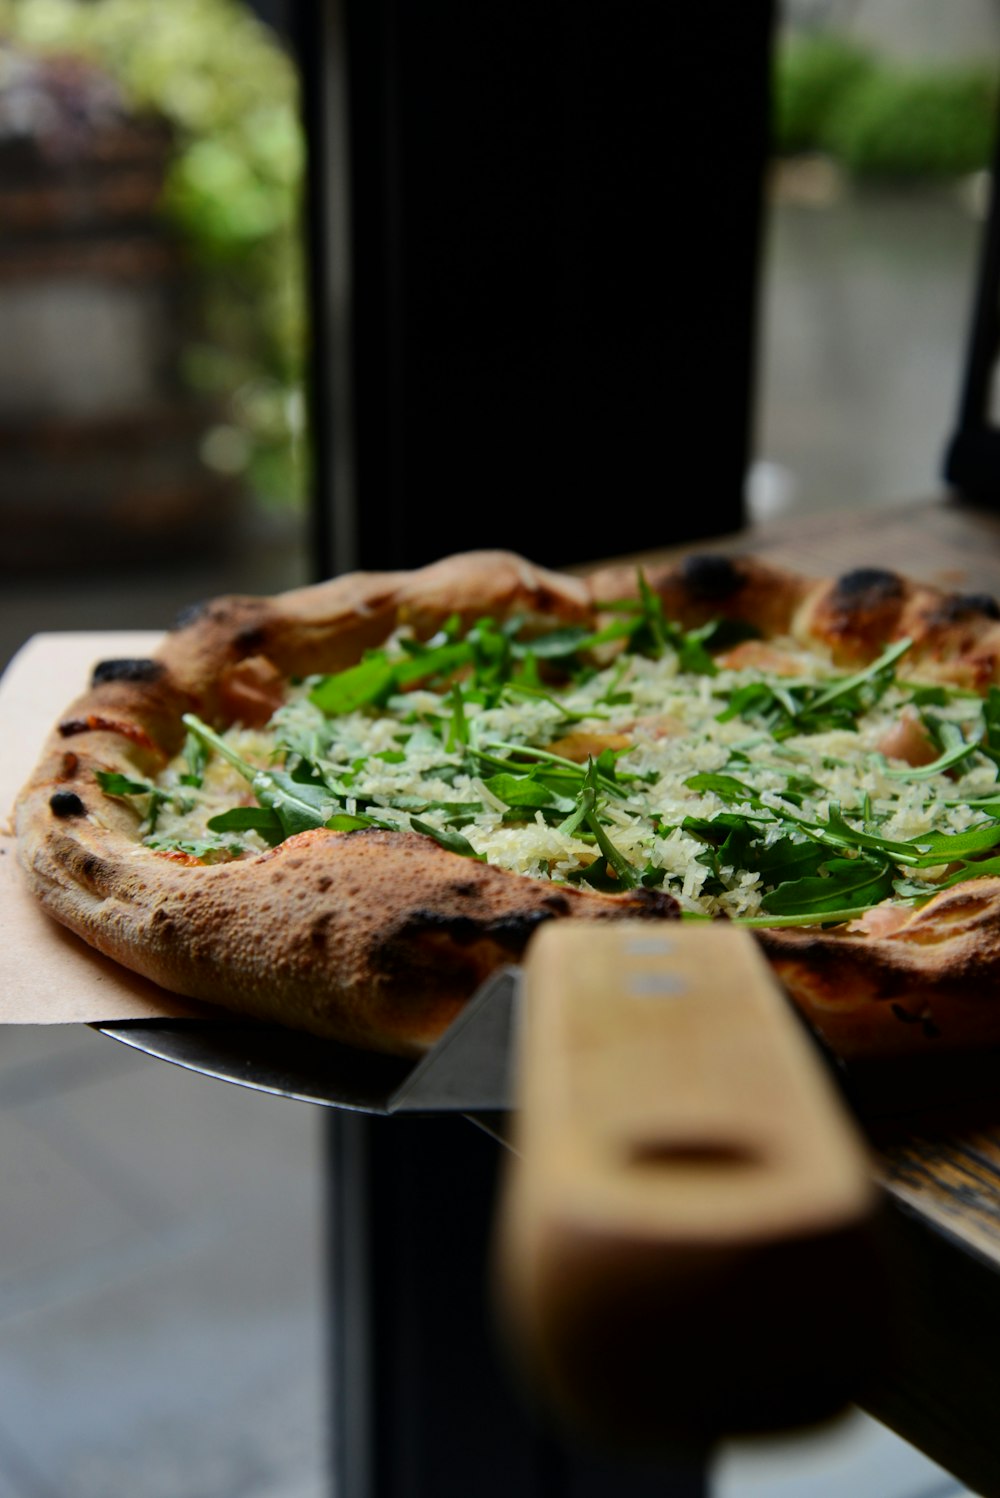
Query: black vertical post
x,y
972,461
554,215
424,1407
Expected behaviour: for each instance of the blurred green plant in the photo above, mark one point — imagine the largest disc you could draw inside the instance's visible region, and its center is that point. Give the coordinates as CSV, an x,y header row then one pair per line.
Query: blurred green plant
x,y
222,81
878,118
813,74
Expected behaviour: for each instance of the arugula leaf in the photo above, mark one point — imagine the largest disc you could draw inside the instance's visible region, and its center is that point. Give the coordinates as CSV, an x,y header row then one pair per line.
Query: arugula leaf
x,y
947,847
956,748
458,729
298,807
584,807
991,719
729,838
649,636
803,918
113,783
839,830
692,651
977,870
645,630
521,690
195,758
491,653
520,790
875,677
845,883
377,678
567,767
429,664
757,699
787,859
453,841
627,876
921,696
370,681
250,818
726,787
558,645
787,709
611,694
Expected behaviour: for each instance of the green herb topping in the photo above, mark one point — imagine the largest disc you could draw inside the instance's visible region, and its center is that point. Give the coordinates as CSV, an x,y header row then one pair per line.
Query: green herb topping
x,y
630,755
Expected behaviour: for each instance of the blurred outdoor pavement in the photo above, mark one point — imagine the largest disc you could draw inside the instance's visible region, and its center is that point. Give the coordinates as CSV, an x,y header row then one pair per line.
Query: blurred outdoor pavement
x,y
866,303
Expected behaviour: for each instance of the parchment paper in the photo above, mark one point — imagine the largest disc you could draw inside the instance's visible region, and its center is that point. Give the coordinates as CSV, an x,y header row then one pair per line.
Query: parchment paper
x,y
47,975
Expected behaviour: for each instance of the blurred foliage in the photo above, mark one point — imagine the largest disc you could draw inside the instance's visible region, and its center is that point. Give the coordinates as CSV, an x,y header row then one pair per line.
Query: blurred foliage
x,y
223,82
813,74
878,118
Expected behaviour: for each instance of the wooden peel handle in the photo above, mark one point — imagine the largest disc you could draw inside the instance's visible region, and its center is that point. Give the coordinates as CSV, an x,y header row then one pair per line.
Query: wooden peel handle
x,y
685,1242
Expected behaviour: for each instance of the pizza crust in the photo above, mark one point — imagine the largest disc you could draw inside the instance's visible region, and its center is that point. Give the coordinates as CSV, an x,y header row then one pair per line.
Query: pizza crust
x,y
377,938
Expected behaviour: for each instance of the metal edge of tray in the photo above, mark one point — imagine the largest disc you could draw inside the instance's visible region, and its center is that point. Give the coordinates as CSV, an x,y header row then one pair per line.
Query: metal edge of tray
x,y
270,1059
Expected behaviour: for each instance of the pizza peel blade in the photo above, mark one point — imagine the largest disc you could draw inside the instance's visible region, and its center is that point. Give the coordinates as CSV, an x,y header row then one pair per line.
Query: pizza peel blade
x,y
471,1068
687,1240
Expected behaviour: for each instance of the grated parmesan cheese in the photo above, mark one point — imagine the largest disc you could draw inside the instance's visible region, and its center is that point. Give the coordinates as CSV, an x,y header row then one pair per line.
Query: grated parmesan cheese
x,y
398,762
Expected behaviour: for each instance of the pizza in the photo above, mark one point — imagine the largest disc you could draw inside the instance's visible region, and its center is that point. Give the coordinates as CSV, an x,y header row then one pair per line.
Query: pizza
x,y
341,808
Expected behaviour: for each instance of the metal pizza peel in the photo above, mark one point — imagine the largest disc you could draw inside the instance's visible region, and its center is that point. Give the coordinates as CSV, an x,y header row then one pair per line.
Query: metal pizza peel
x,y
687,1238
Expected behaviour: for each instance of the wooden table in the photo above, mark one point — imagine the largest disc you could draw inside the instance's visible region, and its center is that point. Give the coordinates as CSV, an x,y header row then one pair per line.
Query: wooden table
x,y
936,1133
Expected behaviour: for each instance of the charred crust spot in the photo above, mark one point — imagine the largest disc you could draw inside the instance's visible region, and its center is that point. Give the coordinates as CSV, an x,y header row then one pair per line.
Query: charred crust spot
x,y
648,905
513,931
465,888
557,904
70,764
710,577
958,606
249,641
510,931
867,587
191,614
461,928
138,669
66,804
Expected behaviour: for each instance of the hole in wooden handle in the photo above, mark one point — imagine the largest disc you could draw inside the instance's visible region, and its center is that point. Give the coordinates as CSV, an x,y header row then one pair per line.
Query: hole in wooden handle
x,y
680,1152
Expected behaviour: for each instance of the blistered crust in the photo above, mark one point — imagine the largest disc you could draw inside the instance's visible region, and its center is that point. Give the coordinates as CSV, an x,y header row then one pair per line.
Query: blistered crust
x,y
377,938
